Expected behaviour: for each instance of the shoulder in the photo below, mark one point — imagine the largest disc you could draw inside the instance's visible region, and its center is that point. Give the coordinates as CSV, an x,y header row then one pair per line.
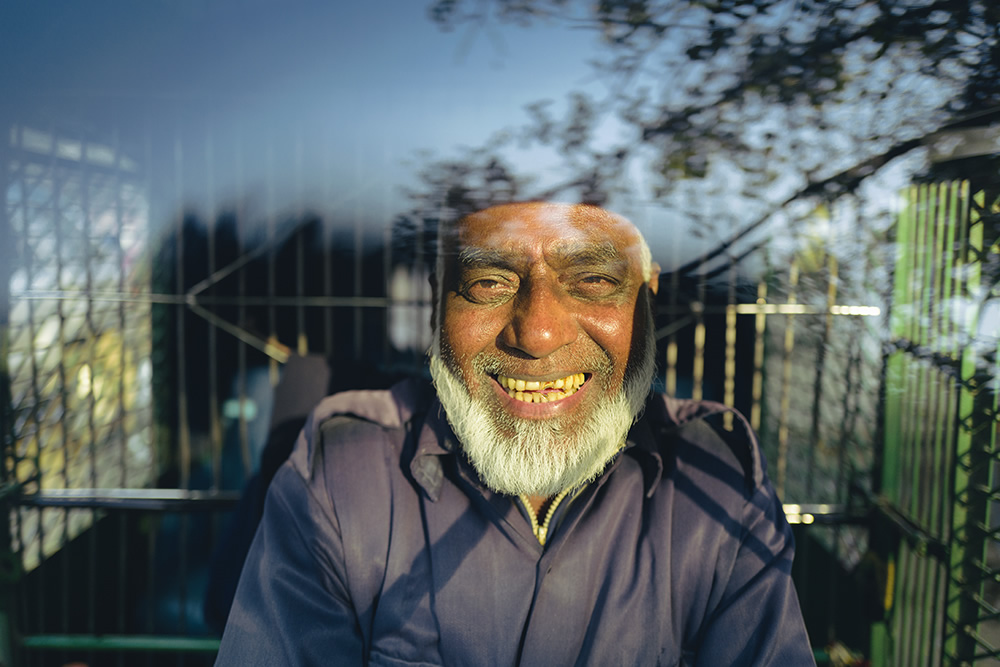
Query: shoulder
x,y
356,419
707,436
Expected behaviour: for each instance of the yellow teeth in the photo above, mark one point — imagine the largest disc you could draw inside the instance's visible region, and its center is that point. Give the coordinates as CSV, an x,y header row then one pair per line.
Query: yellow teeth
x,y
533,391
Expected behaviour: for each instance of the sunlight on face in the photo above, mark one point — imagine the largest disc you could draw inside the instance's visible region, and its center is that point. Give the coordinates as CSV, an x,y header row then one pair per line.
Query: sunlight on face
x,y
545,350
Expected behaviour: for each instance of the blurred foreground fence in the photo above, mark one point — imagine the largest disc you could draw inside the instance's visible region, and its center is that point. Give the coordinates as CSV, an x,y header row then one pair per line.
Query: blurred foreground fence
x,y
141,378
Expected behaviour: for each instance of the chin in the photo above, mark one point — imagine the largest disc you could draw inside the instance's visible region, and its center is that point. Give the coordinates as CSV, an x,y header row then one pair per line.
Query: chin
x,y
540,457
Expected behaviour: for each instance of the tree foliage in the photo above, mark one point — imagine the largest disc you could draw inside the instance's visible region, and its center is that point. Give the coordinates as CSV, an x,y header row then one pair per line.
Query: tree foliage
x,y
766,100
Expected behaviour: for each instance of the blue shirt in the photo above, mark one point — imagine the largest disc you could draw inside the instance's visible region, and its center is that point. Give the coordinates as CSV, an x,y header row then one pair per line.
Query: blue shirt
x,y
380,546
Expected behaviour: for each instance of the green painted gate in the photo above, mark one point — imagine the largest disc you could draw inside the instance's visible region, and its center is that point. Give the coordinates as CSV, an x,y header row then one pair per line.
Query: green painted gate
x,y
938,469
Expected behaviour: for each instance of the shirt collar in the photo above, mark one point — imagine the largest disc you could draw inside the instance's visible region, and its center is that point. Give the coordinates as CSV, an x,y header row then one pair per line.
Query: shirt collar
x,y
434,440
644,445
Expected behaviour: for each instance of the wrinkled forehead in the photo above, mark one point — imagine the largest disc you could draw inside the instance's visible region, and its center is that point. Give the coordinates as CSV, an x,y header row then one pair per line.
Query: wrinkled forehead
x,y
510,226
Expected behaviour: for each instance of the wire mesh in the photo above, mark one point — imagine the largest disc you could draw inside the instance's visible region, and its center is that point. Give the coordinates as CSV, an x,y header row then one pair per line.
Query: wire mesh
x,y
144,355
79,355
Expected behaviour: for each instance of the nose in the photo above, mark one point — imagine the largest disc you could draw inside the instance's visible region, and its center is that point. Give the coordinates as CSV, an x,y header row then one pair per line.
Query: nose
x,y
540,323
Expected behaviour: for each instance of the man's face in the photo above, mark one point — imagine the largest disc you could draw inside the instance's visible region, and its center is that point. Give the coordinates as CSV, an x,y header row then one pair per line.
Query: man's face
x,y
543,323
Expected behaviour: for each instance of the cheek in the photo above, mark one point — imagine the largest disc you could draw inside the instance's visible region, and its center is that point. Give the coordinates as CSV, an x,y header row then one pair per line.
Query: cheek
x,y
612,330
463,336
469,334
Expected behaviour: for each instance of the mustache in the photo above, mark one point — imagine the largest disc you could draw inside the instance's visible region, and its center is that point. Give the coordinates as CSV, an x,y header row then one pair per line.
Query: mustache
x,y
492,364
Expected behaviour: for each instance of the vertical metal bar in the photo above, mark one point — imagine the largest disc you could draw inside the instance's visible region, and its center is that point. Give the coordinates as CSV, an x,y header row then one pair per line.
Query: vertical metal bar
x,y
7,256
241,312
182,535
419,264
786,383
93,333
935,481
386,219
671,360
921,614
948,498
328,238
59,231
302,339
698,372
918,637
211,217
272,238
59,186
985,423
815,435
729,382
698,362
157,427
358,254
896,364
387,282
22,453
182,570
911,379
959,448
932,286
120,431
151,591
670,372
757,389
917,378
967,545
34,419
181,288
943,338
921,408
899,653
938,617
930,613
183,427
993,435
849,408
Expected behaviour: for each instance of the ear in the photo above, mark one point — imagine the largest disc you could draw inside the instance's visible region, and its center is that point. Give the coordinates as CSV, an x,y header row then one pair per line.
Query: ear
x,y
654,278
432,279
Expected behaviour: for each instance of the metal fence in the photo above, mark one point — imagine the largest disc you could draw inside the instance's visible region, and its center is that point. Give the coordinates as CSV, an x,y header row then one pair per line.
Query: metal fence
x,y
142,365
940,429
140,362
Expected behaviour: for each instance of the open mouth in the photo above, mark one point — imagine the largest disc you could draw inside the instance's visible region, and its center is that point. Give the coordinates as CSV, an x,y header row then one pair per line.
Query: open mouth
x,y
534,391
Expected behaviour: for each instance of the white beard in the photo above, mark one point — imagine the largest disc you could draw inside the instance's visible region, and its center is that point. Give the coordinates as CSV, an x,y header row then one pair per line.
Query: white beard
x,y
542,457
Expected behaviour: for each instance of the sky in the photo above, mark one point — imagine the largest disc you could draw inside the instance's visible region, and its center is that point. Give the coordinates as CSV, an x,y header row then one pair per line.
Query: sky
x,y
333,106
322,105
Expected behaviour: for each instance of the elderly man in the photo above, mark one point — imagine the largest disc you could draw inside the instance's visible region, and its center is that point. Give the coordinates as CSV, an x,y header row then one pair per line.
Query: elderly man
x,y
539,507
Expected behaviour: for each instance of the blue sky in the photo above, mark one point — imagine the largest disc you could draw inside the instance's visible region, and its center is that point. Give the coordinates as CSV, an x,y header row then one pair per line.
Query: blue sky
x,y
287,106
293,104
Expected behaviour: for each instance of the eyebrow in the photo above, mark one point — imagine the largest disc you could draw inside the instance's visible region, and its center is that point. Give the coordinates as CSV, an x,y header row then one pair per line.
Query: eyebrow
x,y
576,253
567,253
481,258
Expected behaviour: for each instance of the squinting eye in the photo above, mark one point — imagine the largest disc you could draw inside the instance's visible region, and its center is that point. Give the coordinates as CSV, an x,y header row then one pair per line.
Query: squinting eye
x,y
488,290
595,286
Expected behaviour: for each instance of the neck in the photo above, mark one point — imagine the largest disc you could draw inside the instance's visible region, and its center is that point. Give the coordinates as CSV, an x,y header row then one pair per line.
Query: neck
x,y
539,505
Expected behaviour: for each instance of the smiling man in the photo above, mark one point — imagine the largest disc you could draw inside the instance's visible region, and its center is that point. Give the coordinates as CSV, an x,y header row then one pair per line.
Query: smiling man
x,y
539,506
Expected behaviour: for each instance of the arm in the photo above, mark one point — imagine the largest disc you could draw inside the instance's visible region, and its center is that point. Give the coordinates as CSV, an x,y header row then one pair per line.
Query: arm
x,y
292,605
758,620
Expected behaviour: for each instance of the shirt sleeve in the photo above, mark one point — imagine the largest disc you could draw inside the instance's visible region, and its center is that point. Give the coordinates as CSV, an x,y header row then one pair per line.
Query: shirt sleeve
x,y
292,606
758,620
